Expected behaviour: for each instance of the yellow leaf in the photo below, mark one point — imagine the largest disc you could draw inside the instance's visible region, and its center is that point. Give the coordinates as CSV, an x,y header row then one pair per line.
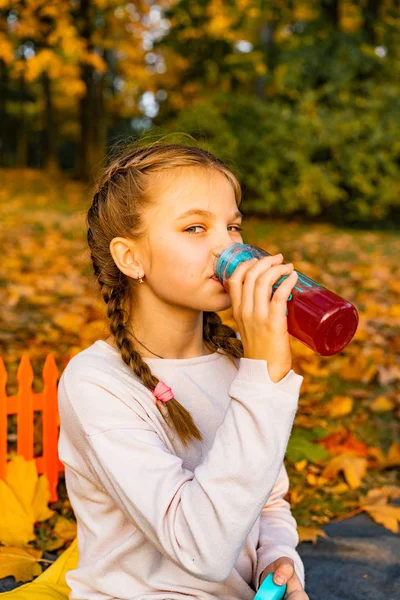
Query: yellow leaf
x,y
310,534
381,404
300,465
340,488
374,497
21,478
20,563
95,61
23,501
339,406
41,511
16,528
353,467
6,49
311,479
393,457
313,368
296,496
391,460
393,491
53,544
65,528
322,481
369,374
69,322
386,515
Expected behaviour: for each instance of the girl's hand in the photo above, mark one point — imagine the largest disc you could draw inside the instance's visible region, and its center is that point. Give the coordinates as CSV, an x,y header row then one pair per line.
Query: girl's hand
x,y
262,321
285,566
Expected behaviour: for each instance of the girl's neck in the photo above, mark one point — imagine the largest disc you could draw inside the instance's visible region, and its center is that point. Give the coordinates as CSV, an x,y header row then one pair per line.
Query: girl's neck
x,y
110,340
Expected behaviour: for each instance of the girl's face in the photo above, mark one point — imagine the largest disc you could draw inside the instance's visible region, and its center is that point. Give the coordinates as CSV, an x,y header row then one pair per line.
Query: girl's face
x,y
180,251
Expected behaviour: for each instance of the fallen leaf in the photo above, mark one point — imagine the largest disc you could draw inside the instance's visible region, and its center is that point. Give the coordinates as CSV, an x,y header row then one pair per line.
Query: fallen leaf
x,y
381,404
340,488
352,466
310,534
65,528
391,460
300,465
23,501
386,515
339,406
343,440
21,563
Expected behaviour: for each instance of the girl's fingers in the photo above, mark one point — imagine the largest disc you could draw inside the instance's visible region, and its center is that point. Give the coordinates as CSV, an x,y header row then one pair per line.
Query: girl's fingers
x,y
235,285
263,291
297,595
278,304
263,265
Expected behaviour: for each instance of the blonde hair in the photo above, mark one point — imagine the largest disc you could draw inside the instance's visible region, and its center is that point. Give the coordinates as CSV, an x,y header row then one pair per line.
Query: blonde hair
x,y
121,196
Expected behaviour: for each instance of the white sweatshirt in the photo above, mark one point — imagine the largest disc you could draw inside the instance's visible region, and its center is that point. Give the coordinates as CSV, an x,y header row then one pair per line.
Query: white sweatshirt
x,y
157,521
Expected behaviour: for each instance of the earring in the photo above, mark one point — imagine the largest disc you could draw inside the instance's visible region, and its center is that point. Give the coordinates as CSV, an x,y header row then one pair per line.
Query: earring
x,y
140,280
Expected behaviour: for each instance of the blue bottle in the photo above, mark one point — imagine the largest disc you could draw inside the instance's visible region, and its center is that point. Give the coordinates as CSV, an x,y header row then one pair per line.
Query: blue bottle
x,y
269,591
316,316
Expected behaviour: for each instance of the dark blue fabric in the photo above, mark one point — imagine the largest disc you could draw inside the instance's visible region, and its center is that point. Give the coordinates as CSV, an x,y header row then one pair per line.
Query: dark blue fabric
x,y
359,561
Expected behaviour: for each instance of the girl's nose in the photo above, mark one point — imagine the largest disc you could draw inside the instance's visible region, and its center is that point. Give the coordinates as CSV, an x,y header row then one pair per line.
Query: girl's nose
x,y
220,249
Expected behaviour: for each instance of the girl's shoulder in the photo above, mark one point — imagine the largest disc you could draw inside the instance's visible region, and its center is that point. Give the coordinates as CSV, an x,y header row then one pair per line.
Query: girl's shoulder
x,y
102,391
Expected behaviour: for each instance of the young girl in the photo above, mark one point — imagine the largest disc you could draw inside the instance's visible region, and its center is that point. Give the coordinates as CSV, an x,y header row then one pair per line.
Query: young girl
x,y
173,430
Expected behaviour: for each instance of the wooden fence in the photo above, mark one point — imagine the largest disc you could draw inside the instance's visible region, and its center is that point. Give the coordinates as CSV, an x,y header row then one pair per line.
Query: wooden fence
x,y
24,404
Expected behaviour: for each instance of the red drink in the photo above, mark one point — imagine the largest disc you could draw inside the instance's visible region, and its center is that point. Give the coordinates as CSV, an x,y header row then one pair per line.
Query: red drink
x,y
317,317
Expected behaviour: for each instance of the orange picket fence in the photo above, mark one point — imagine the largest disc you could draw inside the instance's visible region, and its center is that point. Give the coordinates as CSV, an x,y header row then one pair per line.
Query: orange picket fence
x,y
24,404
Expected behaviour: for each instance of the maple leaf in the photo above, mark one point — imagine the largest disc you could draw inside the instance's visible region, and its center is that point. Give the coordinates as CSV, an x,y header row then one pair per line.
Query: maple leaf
x,y
376,506
65,528
22,563
23,501
353,468
310,534
339,406
381,404
387,515
341,441
391,460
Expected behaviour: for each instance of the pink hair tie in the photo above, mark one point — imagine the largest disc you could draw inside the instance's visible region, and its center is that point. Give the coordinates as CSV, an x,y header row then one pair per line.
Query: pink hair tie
x,y
163,392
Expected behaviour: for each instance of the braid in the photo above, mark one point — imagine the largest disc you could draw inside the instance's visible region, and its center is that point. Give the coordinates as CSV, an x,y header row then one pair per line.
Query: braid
x,y
133,359
219,335
121,196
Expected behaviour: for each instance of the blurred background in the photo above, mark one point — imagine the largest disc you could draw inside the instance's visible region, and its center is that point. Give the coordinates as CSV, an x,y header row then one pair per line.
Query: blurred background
x,y
303,97
302,100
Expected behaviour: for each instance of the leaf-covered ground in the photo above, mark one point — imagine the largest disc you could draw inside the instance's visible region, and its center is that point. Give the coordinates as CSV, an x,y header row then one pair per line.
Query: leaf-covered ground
x,y
344,451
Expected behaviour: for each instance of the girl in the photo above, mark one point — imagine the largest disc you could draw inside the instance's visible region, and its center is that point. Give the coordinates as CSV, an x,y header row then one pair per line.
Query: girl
x,y
173,430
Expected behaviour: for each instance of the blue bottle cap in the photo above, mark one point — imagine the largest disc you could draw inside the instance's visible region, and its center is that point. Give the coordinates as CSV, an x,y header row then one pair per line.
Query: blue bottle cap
x,y
269,591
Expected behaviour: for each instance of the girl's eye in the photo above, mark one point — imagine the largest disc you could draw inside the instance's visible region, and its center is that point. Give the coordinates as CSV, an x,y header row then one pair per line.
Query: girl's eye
x,y
237,227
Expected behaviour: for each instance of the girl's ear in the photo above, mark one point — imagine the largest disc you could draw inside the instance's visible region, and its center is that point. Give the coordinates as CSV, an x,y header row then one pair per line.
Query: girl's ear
x,y
126,256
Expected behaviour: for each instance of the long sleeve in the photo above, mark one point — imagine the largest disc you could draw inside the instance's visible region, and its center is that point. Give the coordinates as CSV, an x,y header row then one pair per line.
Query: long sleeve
x,y
199,520
278,531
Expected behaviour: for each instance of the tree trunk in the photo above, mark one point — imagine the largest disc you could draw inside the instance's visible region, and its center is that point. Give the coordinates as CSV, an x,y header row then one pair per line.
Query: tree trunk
x,y
330,9
4,129
91,105
22,134
50,161
100,125
266,40
371,17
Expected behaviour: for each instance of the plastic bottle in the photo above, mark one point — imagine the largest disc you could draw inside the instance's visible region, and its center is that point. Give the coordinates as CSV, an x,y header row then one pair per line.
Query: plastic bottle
x,y
268,590
317,317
